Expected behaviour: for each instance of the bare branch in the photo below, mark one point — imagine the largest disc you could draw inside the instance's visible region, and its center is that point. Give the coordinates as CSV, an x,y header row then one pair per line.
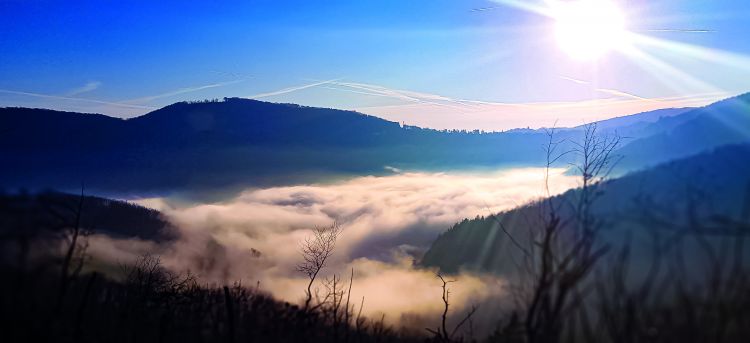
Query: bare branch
x,y
315,253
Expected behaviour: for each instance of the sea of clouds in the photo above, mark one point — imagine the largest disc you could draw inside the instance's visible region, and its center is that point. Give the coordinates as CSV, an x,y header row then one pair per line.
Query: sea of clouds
x,y
387,223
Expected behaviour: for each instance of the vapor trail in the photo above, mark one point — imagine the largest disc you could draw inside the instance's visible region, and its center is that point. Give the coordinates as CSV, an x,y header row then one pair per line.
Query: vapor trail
x,y
58,97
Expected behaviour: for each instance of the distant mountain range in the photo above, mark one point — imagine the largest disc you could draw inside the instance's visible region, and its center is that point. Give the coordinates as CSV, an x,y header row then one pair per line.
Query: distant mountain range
x,y
724,122
220,145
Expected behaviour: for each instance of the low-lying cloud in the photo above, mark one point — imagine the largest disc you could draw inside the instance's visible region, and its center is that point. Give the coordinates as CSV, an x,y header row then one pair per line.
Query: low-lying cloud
x,y
387,222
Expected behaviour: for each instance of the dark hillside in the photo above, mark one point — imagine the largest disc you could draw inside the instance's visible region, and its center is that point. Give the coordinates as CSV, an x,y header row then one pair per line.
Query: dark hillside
x,y
53,210
702,187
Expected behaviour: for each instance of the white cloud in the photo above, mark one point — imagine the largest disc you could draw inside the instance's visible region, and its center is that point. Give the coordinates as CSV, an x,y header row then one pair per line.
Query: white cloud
x,y
88,87
393,169
387,222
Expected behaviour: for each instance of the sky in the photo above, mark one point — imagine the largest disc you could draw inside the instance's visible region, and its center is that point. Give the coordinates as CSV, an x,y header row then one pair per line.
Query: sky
x,y
466,64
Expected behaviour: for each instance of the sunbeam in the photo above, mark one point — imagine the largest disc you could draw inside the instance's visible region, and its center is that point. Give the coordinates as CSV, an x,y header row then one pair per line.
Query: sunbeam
x,y
689,50
670,76
588,28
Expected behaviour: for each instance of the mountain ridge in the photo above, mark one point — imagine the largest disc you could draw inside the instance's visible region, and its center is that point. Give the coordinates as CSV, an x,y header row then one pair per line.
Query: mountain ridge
x,y
242,142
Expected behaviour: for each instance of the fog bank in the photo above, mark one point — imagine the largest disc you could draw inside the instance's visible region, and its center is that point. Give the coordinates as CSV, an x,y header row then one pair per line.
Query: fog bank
x,y
387,224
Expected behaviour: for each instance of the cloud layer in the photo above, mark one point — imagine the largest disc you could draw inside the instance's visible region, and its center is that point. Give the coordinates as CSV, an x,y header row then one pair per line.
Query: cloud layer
x,y
387,223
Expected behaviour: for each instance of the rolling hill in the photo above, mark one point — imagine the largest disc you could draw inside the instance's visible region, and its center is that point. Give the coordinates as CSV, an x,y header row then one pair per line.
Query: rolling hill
x,y
217,146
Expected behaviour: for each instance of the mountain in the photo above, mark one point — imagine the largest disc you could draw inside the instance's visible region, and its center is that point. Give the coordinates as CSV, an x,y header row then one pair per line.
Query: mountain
x,y
53,211
668,197
640,119
641,125
210,145
724,122
217,146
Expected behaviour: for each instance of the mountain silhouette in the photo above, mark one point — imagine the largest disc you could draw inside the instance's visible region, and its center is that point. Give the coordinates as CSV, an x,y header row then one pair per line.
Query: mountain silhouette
x,y
53,211
220,145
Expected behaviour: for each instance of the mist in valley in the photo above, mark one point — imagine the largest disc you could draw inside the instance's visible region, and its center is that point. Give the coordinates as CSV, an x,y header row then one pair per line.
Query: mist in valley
x,y
387,223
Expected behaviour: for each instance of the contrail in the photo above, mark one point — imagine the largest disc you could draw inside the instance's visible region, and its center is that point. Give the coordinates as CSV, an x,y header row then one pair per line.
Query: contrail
x,y
291,89
57,97
606,90
405,95
573,80
482,9
356,92
682,30
180,91
622,94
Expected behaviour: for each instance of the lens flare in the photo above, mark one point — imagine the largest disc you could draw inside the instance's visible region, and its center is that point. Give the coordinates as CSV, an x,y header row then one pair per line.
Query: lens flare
x,y
587,29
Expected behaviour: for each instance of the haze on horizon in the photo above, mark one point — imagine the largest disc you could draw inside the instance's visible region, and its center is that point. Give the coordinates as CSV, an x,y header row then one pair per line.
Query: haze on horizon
x,y
490,65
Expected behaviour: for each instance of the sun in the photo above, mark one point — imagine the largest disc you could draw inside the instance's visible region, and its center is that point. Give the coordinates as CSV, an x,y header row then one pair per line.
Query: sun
x,y
588,29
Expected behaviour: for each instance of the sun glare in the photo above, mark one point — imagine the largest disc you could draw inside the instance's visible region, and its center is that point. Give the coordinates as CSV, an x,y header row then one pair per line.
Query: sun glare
x,y
587,29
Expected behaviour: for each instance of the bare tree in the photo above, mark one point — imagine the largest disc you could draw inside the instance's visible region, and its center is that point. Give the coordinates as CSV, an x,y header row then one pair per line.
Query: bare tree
x,y
315,251
552,154
75,252
561,261
596,159
441,333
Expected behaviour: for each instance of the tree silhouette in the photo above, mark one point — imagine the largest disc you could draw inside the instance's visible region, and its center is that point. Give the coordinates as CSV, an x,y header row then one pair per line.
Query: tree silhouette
x,y
315,253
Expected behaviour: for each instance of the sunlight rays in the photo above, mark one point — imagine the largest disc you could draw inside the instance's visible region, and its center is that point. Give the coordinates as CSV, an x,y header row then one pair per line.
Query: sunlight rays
x,y
669,75
637,48
703,53
677,74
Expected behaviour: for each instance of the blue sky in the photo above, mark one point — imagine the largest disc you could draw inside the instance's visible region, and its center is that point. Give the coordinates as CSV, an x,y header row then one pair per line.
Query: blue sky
x,y
439,63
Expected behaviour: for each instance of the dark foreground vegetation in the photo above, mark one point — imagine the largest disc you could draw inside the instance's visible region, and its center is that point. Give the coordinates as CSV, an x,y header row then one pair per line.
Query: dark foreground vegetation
x,y
50,294
151,304
669,264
